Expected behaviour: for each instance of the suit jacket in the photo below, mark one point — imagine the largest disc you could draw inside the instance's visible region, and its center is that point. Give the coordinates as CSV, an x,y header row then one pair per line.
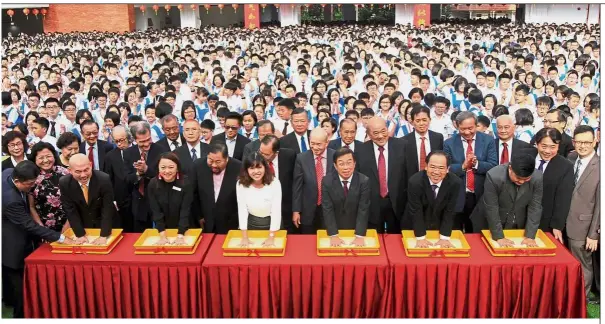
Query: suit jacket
x,y
222,215
168,147
98,212
426,212
584,216
251,147
170,203
240,142
304,188
291,142
103,149
517,147
487,158
366,164
565,147
115,168
412,160
504,205
558,188
18,226
7,164
184,155
336,144
285,167
350,212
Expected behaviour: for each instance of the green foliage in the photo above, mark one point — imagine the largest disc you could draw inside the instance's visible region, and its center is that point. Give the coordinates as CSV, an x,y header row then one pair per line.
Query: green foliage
x,y
377,14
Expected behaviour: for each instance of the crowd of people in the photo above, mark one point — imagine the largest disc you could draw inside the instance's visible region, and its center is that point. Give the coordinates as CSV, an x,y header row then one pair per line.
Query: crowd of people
x,y
302,128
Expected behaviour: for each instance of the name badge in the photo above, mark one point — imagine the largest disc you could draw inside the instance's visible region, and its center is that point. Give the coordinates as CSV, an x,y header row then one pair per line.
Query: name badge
x,y
176,188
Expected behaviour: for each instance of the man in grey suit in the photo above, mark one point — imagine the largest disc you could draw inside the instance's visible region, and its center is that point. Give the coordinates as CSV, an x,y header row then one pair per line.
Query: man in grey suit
x,y
264,128
345,199
512,200
306,190
584,216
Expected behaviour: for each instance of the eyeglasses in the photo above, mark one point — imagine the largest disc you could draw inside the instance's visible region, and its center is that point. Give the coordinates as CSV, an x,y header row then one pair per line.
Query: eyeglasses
x,y
232,127
120,140
15,145
582,143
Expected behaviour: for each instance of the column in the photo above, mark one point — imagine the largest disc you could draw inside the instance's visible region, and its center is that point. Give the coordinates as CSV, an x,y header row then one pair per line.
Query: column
x,y
190,17
404,14
327,13
349,12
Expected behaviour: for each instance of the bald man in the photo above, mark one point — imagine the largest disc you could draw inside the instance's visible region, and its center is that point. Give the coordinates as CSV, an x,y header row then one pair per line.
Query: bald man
x,y
506,142
383,160
309,170
87,198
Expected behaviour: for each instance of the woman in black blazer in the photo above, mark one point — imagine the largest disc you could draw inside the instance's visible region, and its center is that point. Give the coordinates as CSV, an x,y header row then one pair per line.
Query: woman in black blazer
x,y
170,196
14,144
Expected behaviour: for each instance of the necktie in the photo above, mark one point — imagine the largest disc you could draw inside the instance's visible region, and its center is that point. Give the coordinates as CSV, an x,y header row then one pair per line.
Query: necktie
x,y
504,156
382,173
85,192
347,146
91,156
577,173
142,181
345,187
422,154
53,133
193,154
248,135
470,175
303,88
319,173
175,144
541,167
285,130
271,167
434,187
303,144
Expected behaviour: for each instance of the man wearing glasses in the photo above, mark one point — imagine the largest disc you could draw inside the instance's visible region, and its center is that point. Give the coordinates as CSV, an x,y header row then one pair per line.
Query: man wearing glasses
x,y
234,141
556,119
52,109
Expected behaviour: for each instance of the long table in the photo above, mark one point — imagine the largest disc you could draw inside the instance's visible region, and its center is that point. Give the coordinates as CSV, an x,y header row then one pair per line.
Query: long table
x,y
118,285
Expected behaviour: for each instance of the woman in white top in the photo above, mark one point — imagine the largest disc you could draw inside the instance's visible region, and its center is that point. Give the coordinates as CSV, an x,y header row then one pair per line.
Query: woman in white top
x,y
258,198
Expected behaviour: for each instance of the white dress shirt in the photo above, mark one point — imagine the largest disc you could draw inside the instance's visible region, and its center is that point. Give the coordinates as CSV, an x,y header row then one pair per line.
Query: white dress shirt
x,y
585,162
230,145
538,160
427,145
465,147
197,147
386,158
279,126
276,165
351,146
259,202
95,153
324,160
501,147
171,143
298,137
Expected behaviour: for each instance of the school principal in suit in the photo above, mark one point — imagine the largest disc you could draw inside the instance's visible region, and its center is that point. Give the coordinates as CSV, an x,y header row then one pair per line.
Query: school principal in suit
x,y
342,212
98,212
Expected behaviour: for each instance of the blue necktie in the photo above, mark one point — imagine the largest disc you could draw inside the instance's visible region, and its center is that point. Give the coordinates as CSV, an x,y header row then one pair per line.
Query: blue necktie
x,y
541,167
303,144
193,154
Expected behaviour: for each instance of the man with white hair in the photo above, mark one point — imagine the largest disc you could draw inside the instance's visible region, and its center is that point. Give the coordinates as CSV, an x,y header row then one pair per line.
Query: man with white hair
x,y
506,143
114,167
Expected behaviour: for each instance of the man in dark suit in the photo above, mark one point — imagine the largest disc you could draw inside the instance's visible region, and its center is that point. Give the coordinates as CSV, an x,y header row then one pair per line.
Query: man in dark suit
x,y
558,181
122,190
306,190
557,119
382,160
506,144
472,154
512,200
345,199
141,163
264,128
281,161
18,230
432,198
173,138
298,140
347,131
193,148
94,148
87,198
420,142
232,139
215,179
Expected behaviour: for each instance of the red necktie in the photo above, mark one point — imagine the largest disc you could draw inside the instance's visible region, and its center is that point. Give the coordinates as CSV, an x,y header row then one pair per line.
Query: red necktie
x,y
91,156
345,187
319,173
422,154
504,157
271,167
142,181
382,173
470,176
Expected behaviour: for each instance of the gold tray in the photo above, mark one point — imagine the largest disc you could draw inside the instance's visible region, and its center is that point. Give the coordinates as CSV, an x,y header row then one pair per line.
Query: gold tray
x,y
194,236
548,248
231,249
463,251
324,249
114,239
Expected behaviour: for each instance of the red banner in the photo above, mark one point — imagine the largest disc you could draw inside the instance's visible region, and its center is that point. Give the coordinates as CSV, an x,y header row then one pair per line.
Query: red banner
x,y
422,15
251,16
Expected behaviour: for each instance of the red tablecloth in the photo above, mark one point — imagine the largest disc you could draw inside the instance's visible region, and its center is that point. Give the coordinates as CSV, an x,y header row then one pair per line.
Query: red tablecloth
x,y
118,285
298,285
485,286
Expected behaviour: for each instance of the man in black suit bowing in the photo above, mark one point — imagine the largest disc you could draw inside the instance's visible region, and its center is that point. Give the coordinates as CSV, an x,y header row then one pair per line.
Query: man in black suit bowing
x,y
232,139
215,179
347,131
122,190
94,148
507,145
281,161
298,141
264,128
432,197
141,163
193,148
345,199
87,199
172,133
382,159
309,170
